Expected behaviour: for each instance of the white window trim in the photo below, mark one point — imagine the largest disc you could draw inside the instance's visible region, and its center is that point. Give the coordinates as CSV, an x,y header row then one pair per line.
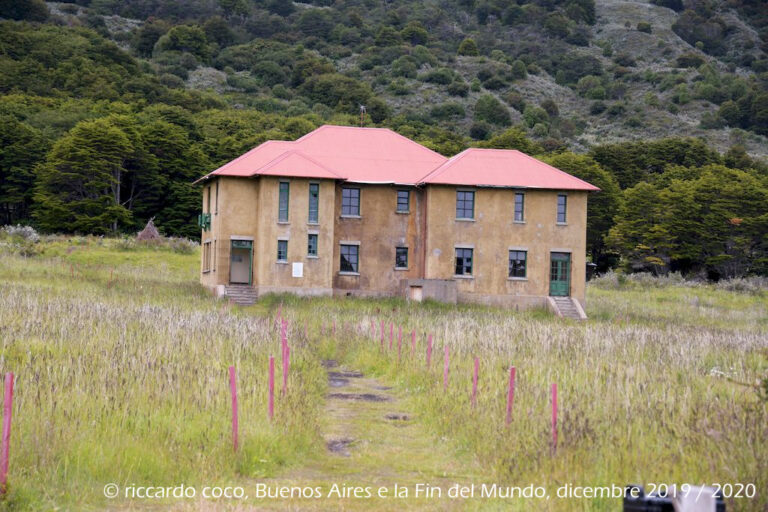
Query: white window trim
x,y
349,242
243,238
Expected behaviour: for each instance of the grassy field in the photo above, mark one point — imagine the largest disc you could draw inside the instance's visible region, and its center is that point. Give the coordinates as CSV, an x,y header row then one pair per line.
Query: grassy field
x,y
121,364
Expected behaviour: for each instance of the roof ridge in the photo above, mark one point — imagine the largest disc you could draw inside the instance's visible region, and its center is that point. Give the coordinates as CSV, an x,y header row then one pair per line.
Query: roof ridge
x,y
553,167
380,128
437,171
286,154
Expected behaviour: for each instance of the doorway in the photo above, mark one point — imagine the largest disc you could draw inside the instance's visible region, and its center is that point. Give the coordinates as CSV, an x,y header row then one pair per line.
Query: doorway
x,y
241,262
560,274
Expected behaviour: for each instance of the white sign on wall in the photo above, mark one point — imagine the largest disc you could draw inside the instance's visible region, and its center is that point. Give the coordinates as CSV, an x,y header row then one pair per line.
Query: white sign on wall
x,y
298,270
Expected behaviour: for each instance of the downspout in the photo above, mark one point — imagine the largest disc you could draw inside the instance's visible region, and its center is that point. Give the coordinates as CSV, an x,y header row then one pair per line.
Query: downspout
x,y
424,228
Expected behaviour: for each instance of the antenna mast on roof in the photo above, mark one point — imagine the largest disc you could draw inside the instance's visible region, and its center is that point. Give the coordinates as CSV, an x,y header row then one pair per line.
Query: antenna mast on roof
x,y
362,115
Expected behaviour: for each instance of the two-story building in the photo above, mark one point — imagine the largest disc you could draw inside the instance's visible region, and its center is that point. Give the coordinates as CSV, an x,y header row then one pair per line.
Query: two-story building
x,y
366,211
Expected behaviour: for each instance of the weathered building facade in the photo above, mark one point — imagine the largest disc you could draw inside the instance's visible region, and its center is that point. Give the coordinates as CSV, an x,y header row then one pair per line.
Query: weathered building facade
x,y
365,211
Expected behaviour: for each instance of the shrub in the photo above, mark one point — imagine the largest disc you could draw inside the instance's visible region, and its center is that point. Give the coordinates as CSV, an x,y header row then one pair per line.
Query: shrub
x,y
515,100
519,70
269,73
494,83
458,88
533,115
625,60
644,26
491,110
404,66
468,47
689,60
447,111
597,108
388,36
442,76
480,130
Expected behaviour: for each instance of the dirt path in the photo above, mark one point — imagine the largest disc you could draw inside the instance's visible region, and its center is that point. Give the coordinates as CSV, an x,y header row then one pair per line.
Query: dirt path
x,y
374,440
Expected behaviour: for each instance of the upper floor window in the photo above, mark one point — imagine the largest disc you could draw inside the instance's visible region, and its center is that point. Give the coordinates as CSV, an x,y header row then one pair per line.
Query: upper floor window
x,y
282,213
463,261
208,200
519,207
312,245
350,258
314,202
217,197
401,257
465,204
517,263
403,201
282,250
350,202
562,203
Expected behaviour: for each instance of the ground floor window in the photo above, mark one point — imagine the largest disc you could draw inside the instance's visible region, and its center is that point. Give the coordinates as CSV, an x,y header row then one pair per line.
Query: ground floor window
x,y
464,261
312,245
207,257
517,263
350,258
401,257
282,250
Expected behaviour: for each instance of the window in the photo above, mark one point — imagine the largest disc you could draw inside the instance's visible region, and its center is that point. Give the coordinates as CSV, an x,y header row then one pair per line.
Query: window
x,y
463,262
282,250
517,263
312,245
349,258
519,207
314,202
401,257
206,256
217,197
208,200
282,214
350,202
465,204
562,202
403,201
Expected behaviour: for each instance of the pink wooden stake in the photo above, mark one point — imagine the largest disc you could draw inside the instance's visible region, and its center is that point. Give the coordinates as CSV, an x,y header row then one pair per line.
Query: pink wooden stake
x,y
445,369
429,350
413,342
474,382
6,442
382,335
510,394
554,417
286,367
391,334
399,342
233,390
271,399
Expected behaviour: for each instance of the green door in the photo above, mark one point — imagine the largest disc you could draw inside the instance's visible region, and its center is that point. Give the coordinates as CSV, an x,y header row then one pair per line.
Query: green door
x,y
241,262
560,274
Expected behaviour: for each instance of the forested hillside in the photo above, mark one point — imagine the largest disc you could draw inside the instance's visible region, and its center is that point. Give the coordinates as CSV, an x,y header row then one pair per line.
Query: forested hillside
x,y
110,109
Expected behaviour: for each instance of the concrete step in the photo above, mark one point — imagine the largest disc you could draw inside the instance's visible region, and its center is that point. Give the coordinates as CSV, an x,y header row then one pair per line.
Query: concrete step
x,y
566,307
242,295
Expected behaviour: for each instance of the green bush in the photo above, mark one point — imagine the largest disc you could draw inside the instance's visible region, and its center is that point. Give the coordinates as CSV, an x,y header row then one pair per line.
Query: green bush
x,y
468,47
458,88
491,110
442,76
644,26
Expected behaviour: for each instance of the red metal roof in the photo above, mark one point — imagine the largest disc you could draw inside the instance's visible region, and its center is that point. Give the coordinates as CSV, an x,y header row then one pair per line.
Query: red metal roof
x,y
503,168
379,155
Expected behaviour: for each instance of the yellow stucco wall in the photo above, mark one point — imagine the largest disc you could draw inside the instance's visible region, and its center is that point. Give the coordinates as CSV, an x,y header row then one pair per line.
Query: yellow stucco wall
x,y
273,276
493,233
249,208
379,230
236,215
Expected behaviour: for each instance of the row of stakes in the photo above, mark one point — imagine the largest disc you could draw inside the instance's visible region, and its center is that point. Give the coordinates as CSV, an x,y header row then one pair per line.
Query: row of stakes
x,y
286,353
285,359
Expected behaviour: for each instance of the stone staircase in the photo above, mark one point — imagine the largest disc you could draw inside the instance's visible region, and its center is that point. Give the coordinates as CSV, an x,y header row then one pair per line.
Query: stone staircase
x,y
567,307
241,294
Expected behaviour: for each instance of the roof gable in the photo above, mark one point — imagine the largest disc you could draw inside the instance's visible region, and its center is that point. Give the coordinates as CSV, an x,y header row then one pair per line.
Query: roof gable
x,y
502,168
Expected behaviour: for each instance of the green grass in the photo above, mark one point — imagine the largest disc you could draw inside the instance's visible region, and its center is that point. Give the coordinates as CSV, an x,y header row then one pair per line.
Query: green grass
x,y
121,363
